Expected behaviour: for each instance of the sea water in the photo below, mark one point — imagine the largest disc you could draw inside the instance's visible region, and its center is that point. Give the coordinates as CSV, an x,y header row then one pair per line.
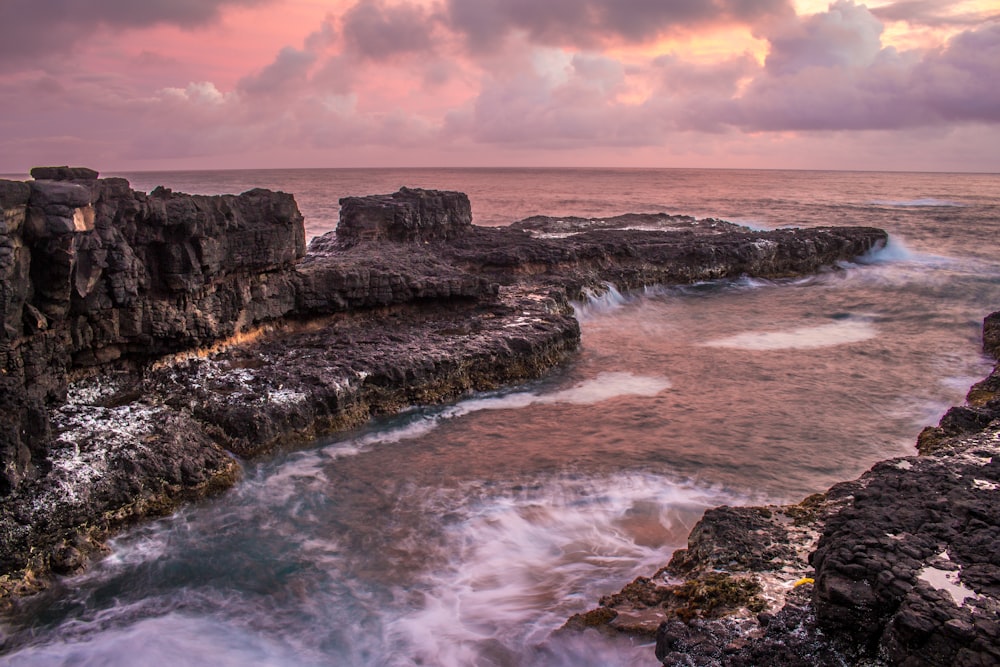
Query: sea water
x,y
465,534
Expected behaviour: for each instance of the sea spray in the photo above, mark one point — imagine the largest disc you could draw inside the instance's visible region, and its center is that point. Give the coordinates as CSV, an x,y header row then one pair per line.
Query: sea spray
x,y
599,301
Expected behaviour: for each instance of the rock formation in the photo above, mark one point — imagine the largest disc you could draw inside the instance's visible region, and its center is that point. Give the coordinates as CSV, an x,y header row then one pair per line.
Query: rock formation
x,y
149,341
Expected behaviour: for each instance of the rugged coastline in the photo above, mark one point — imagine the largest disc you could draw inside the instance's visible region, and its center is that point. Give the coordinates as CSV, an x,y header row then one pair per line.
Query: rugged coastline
x,y
150,341
897,567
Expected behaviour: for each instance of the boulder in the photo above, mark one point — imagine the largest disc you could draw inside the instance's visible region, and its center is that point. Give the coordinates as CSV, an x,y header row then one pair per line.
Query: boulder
x,y
64,173
410,215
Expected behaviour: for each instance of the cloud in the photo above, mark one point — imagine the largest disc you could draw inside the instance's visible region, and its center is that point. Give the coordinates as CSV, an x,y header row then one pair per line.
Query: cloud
x,y
381,76
932,13
375,30
589,23
288,71
830,74
30,29
847,35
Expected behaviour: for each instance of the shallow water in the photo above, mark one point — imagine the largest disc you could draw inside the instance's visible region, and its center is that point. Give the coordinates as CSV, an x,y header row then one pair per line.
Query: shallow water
x,y
465,534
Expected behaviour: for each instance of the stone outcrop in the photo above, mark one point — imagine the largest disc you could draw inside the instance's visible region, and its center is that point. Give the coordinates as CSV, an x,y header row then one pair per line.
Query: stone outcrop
x,y
898,567
150,341
411,215
95,275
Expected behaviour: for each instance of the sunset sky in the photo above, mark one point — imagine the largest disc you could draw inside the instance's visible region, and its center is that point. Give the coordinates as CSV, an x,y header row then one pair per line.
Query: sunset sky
x,y
191,84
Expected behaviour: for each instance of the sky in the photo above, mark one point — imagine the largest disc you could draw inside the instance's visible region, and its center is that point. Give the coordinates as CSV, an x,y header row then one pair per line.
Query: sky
x,y
121,85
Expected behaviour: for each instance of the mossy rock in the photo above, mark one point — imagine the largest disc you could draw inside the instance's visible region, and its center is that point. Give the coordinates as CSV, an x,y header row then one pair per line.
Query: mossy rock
x,y
715,595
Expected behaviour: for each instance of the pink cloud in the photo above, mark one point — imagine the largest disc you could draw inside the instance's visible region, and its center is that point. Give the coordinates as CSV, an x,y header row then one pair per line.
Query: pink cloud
x,y
358,81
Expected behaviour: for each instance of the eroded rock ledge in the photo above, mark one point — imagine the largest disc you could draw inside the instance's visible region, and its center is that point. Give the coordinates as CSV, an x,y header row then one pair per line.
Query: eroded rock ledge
x,y
150,341
898,567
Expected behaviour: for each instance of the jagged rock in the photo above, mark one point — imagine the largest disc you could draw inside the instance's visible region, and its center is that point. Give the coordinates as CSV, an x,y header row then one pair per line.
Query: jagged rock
x,y
98,273
24,436
909,569
632,258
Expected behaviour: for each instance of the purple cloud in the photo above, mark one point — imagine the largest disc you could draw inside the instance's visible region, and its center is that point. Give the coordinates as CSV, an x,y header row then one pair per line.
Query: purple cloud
x,y
586,23
378,31
817,87
288,72
30,29
933,13
847,35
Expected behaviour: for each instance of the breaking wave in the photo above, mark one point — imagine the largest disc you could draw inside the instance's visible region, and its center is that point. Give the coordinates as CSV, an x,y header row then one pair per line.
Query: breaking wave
x,y
842,332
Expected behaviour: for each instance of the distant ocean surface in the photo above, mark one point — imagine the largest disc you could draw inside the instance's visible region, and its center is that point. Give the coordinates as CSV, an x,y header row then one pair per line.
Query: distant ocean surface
x,y
465,534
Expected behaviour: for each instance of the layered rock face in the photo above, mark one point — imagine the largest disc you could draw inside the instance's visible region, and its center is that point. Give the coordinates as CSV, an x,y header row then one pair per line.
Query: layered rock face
x,y
150,341
95,275
95,272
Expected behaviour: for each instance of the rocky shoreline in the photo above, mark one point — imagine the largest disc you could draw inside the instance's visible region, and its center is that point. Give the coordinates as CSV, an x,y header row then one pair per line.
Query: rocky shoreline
x,y
898,567
151,341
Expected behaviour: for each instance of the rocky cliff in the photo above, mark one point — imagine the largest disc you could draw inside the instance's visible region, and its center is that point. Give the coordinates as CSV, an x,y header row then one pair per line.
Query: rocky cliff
x,y
151,341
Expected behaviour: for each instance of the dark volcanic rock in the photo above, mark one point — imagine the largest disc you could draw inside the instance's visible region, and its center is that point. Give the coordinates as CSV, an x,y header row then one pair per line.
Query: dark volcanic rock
x,y
107,467
411,215
97,273
310,379
632,258
910,569
64,173
149,340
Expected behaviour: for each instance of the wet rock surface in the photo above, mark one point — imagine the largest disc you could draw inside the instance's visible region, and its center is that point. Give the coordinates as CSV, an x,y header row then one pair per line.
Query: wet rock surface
x,y
151,341
899,567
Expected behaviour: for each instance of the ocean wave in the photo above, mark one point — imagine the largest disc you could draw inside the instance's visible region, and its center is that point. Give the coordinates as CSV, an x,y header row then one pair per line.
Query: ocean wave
x,y
173,639
599,302
916,203
419,422
521,561
841,332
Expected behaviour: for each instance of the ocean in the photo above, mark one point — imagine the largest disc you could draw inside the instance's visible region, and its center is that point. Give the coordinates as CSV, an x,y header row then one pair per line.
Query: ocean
x,y
465,534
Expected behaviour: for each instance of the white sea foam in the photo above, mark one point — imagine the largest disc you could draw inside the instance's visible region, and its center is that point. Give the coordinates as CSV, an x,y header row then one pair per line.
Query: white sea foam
x,y
916,203
752,224
521,562
898,251
599,302
603,387
841,332
895,250
174,639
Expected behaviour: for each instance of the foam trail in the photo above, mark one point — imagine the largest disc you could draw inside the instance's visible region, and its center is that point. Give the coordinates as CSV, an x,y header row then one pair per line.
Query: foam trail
x,y
306,469
522,562
916,203
803,338
895,250
603,387
175,639
280,486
